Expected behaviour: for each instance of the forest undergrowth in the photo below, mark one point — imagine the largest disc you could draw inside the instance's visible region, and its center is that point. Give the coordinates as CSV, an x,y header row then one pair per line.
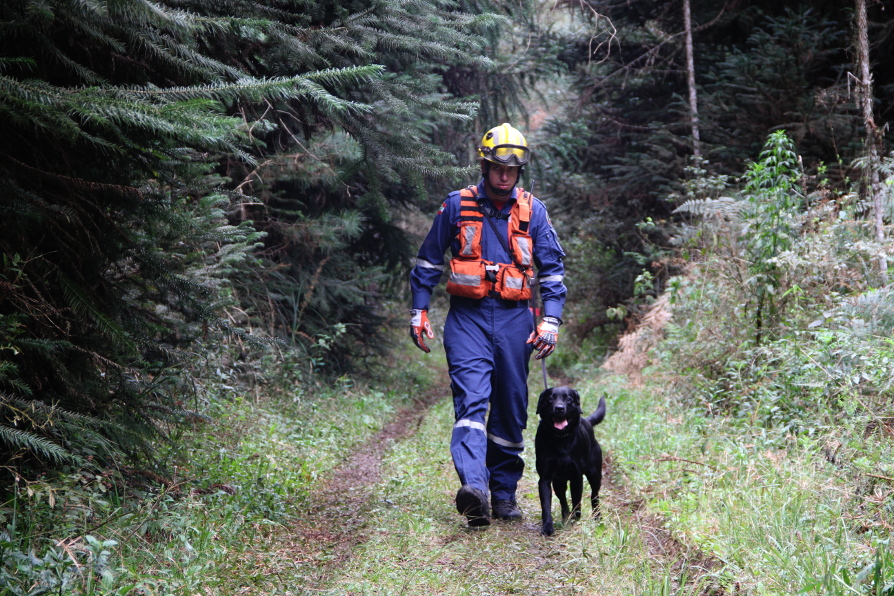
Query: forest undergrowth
x,y
694,503
761,384
221,520
748,442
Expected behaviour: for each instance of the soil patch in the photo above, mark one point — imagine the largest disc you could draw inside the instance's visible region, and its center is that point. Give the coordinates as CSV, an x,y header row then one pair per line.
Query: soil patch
x,y
324,536
334,523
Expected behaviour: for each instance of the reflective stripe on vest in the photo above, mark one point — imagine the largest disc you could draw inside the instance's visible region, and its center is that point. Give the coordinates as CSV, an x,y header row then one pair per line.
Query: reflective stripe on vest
x,y
524,245
463,280
468,241
516,283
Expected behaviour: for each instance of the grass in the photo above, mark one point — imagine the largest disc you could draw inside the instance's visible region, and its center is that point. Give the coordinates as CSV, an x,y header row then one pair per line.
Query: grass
x,y
234,486
242,515
772,507
245,511
420,545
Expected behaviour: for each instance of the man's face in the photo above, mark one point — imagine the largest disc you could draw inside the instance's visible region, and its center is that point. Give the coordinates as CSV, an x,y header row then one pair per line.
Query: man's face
x,y
501,178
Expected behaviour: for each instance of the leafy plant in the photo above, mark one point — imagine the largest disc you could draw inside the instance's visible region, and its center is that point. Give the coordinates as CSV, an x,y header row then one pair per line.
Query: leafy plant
x,y
771,227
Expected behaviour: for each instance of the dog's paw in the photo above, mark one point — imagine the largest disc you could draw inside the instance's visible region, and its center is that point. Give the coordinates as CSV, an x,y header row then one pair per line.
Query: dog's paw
x,y
547,529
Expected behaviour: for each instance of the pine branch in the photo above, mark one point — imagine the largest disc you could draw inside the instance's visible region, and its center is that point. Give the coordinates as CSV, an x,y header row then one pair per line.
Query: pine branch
x,y
20,440
81,304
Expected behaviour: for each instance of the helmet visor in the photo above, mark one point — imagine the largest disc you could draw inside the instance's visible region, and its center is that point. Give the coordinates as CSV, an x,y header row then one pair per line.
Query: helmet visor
x,y
513,155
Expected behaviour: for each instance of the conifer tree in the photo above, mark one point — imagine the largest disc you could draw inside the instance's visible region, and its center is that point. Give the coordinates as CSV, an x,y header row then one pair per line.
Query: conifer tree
x,y
873,134
328,186
758,67
143,145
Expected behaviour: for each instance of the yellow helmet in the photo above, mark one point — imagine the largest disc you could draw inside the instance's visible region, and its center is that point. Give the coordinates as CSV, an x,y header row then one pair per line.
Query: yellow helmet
x,y
504,145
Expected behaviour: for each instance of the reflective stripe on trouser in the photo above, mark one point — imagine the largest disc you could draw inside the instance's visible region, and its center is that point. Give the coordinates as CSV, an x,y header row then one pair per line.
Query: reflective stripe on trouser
x,y
479,338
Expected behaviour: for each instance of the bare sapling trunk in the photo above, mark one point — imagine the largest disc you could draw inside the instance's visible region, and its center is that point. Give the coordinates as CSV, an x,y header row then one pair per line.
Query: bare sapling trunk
x,y
872,132
690,79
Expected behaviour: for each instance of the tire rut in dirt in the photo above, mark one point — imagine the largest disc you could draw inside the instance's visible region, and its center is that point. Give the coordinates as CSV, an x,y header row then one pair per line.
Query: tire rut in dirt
x,y
685,561
335,521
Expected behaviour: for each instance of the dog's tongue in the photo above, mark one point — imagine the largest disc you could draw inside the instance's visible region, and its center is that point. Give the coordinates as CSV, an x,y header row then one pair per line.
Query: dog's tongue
x,y
560,424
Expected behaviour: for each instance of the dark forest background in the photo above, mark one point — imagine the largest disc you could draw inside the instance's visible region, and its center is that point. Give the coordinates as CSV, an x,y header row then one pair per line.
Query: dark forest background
x,y
185,177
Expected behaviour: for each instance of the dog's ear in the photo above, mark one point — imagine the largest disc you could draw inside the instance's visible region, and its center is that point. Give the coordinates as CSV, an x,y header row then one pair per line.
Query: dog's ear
x,y
543,399
575,396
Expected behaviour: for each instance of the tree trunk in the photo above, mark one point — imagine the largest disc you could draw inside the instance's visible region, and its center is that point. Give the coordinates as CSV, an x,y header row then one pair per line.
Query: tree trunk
x,y
872,131
690,78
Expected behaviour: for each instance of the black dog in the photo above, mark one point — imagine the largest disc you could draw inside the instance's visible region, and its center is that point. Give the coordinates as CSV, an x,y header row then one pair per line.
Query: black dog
x,y
566,452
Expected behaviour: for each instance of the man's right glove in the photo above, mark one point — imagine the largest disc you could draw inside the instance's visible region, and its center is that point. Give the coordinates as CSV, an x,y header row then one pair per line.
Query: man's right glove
x,y
420,326
545,337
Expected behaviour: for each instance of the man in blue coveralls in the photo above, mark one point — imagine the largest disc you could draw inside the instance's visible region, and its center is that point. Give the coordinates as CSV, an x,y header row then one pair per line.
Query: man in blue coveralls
x,y
498,235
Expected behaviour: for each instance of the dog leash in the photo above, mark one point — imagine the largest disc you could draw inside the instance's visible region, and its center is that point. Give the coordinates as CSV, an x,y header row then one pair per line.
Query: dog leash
x,y
542,360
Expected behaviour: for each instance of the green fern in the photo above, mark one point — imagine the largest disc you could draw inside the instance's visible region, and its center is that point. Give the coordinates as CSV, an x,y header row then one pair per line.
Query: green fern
x,y
20,442
81,304
724,208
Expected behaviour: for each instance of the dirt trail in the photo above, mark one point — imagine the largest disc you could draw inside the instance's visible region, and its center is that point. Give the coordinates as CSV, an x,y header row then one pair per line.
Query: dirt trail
x,y
324,536
335,522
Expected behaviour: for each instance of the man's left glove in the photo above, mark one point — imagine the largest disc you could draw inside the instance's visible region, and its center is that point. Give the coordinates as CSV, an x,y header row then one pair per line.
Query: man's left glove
x,y
545,337
420,326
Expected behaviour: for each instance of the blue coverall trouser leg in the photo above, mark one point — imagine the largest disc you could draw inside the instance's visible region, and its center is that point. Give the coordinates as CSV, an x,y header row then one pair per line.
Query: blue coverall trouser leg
x,y
487,355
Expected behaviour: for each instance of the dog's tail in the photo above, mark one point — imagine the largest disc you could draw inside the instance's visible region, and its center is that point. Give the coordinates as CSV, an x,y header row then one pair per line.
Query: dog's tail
x,y
597,416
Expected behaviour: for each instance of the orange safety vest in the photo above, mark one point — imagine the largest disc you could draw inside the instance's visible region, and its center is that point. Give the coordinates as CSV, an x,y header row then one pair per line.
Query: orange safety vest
x,y
474,277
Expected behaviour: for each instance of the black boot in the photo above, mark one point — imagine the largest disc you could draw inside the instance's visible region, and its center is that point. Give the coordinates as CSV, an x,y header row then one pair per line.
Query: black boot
x,y
506,509
472,502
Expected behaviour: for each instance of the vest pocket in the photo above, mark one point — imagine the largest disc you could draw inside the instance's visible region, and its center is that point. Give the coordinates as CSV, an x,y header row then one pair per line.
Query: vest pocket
x,y
467,279
470,240
513,284
522,249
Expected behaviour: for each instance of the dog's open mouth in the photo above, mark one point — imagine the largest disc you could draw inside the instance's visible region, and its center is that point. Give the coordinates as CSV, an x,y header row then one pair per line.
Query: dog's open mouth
x,y
560,424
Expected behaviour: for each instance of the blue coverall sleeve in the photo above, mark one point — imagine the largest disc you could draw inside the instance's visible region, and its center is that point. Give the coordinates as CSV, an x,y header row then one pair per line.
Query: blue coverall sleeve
x,y
430,259
548,255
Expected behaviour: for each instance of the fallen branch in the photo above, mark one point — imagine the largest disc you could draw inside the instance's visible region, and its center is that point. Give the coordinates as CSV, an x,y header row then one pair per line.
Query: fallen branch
x,y
666,457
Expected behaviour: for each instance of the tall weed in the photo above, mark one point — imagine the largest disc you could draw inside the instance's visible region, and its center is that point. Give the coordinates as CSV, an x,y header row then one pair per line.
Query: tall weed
x,y
771,322
781,372
771,225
